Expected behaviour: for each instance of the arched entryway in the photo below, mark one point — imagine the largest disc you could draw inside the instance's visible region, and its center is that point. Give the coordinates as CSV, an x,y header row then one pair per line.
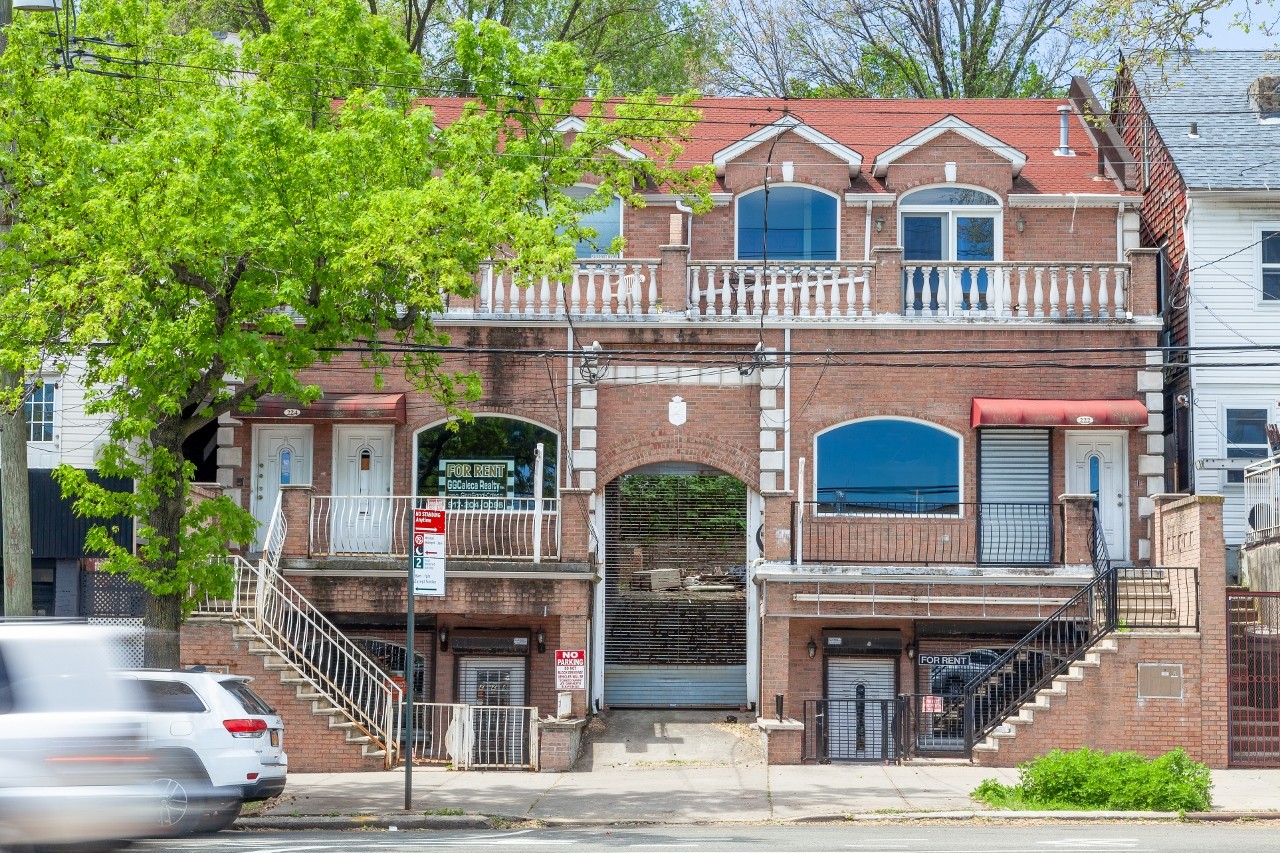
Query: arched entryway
x,y
675,588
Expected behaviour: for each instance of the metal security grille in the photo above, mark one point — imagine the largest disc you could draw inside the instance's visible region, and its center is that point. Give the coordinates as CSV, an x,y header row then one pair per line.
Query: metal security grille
x,y
1017,521
1253,661
860,708
108,596
495,688
675,591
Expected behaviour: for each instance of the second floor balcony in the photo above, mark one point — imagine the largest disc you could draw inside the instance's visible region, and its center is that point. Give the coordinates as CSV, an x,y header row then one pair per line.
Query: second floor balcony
x,y
675,289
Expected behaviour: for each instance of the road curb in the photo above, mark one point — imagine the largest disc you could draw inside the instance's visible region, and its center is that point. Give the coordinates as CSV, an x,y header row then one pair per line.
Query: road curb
x,y
398,821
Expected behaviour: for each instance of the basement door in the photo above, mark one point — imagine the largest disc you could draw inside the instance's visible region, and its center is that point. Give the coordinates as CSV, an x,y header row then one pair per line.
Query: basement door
x,y
363,516
675,591
860,709
495,689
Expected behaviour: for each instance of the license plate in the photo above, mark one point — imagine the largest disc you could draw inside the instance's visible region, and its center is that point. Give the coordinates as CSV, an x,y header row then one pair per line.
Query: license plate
x,y
275,737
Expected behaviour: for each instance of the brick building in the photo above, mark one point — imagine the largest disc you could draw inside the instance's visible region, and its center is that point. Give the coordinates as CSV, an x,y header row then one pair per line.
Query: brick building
x,y
890,405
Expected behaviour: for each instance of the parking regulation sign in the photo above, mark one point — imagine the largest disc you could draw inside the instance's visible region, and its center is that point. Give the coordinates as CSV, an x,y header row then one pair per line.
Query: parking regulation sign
x,y
427,556
571,669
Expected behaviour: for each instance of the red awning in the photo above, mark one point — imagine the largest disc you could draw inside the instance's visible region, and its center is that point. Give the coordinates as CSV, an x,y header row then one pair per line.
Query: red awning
x,y
378,408
988,412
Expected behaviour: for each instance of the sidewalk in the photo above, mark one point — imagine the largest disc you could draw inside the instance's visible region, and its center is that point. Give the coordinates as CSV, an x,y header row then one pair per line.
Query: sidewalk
x,y
696,793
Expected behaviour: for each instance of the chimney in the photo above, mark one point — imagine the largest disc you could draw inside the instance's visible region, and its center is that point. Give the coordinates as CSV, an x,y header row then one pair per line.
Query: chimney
x,y
1064,147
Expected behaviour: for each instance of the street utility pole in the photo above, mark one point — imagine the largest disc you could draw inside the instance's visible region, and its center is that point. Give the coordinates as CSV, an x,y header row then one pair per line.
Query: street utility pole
x,y
15,486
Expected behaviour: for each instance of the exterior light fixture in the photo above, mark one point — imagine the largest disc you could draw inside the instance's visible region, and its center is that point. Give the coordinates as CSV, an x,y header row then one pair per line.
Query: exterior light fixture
x,y
541,637
1021,224
444,639
879,223
812,649
911,651
1193,130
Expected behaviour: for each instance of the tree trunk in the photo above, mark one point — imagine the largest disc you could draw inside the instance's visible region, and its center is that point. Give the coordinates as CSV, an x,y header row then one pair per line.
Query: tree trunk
x,y
15,498
163,617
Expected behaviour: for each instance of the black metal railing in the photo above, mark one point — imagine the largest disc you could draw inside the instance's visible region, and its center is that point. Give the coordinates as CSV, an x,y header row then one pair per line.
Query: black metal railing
x,y
927,532
1157,597
996,693
852,730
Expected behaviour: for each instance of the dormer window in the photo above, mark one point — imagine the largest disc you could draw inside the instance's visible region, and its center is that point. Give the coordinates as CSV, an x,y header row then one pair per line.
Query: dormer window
x,y
607,224
802,225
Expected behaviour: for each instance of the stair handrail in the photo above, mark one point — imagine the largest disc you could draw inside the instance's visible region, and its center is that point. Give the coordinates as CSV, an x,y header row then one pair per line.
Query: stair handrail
x,y
277,531
292,626
1099,601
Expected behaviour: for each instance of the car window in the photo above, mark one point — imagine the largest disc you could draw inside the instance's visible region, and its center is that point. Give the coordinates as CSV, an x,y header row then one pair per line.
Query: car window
x,y
171,697
250,701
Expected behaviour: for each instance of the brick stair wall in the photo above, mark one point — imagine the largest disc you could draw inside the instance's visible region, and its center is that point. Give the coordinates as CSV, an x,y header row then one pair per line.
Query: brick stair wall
x,y
1095,704
317,742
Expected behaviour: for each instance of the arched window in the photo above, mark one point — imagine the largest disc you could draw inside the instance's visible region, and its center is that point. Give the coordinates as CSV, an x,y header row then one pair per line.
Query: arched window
x,y
949,224
606,223
490,457
887,465
803,225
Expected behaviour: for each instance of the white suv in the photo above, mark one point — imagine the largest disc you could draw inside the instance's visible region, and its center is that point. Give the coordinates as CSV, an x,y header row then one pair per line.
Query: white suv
x,y
218,742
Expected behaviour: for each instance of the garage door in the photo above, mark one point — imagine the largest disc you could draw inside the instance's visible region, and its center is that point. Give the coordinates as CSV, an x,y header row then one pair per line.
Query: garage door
x,y
860,709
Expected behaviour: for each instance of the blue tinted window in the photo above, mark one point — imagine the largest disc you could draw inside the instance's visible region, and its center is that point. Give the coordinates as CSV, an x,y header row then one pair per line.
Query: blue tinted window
x,y
888,464
606,223
801,226
949,196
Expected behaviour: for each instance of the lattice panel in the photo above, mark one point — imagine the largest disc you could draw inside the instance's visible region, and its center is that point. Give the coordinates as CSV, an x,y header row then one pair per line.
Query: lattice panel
x,y
125,646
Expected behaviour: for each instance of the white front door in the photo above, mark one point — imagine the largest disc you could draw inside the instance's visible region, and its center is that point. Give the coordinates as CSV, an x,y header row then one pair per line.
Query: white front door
x,y
1097,465
282,457
362,511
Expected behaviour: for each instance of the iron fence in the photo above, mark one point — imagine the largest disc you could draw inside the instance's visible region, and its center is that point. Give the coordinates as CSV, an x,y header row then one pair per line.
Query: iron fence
x,y
933,725
1253,679
475,737
1159,597
865,730
834,530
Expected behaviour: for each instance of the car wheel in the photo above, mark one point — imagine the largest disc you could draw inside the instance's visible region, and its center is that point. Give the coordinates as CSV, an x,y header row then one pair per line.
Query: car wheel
x,y
180,803
216,820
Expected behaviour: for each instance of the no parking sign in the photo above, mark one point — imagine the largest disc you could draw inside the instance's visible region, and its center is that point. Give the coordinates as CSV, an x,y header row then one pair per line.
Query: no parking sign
x,y
571,669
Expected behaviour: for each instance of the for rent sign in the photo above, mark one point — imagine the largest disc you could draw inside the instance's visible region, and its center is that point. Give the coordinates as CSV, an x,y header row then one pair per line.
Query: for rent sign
x,y
482,478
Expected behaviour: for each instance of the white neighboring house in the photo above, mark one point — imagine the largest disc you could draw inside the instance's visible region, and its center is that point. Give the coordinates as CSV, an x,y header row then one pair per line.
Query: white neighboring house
x,y
1207,134
58,429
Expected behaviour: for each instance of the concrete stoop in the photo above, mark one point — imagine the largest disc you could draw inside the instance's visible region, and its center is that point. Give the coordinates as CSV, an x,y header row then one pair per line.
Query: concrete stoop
x,y
319,737
1043,699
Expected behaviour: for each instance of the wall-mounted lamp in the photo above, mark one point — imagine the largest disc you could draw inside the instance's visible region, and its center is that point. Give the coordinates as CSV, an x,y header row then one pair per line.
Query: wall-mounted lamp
x,y
541,637
444,639
911,651
1021,224
812,648
788,171
879,223
1193,130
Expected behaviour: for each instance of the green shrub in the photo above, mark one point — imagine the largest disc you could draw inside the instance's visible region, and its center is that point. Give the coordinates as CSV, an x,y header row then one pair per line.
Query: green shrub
x,y
1088,779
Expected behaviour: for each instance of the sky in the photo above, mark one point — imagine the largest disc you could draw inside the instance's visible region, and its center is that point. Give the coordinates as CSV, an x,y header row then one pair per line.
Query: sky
x,y
1222,36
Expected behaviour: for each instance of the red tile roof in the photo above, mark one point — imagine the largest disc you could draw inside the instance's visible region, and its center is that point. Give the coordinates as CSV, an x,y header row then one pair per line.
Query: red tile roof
x,y
871,126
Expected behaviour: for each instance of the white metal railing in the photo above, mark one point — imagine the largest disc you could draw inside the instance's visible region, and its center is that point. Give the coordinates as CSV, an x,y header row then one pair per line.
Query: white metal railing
x,y
1052,290
1262,499
814,289
475,527
475,737
277,530
598,287
294,629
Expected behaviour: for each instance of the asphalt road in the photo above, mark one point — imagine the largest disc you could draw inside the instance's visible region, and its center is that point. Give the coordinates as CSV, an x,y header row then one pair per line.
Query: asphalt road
x,y
937,837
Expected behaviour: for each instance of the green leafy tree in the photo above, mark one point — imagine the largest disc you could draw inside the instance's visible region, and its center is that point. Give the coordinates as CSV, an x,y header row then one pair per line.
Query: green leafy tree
x,y
201,224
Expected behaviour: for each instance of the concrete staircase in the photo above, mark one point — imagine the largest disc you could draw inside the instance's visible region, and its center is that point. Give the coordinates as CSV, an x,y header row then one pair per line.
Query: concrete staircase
x,y
1144,599
1043,700
292,678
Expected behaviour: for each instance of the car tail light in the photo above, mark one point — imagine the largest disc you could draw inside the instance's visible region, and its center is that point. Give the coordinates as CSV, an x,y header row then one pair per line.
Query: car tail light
x,y
245,728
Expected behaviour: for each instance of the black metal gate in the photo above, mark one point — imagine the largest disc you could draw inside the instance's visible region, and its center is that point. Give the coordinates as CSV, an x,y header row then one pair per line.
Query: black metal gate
x,y
675,591
1253,662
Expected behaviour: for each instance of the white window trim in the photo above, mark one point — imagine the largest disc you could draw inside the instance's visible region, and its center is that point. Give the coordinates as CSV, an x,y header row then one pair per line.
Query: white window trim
x,y
1258,228
54,382
773,185
951,211
960,459
1224,443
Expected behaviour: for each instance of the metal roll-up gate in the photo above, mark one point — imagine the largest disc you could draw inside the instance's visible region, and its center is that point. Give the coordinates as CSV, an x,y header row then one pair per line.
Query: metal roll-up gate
x,y
675,591
1016,524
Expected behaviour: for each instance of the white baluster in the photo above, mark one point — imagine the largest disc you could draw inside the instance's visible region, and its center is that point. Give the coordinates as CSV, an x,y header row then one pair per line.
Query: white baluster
x,y
528,297
695,287
1086,292
740,290
591,291
499,292
653,288
544,297
933,285
575,296
486,289
1039,297
789,296
1103,301
909,290
559,291
757,292
1071,292
851,293
805,273
974,296
1023,309
820,293
1118,303
773,292
1054,295
866,292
